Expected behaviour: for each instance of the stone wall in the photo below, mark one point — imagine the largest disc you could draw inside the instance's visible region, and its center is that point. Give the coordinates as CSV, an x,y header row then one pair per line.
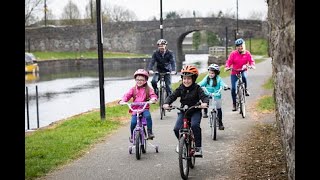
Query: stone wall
x,y
281,16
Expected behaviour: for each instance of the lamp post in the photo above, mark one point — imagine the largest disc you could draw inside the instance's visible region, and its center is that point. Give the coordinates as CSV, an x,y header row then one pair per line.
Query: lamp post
x,y
45,13
237,19
161,21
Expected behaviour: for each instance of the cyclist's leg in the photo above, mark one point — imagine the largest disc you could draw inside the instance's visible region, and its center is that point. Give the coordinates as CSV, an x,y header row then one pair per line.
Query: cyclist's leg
x,y
233,90
154,82
167,79
147,115
195,126
245,81
219,113
178,124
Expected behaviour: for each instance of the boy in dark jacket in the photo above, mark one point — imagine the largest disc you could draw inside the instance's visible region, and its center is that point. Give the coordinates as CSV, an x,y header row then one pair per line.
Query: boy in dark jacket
x,y
190,94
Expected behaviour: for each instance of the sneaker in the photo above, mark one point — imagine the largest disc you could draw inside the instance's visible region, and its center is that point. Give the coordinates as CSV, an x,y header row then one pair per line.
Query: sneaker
x,y
151,136
234,108
247,92
130,139
221,127
177,148
198,152
205,115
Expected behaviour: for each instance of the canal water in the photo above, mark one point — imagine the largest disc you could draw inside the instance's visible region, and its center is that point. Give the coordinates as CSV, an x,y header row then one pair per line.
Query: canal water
x,y
65,94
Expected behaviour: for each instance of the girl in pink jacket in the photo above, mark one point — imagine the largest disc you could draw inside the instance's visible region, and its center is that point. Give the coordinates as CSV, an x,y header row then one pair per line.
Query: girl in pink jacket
x,y
141,92
236,60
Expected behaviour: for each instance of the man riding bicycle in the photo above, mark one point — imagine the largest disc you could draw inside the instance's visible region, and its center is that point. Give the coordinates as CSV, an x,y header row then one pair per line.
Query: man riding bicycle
x,y
165,63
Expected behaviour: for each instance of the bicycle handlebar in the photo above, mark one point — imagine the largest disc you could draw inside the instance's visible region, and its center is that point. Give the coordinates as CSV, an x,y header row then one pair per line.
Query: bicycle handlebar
x,y
144,104
244,67
219,91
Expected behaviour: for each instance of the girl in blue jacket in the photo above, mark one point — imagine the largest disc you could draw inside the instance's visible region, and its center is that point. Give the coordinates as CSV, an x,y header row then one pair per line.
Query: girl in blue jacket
x,y
214,84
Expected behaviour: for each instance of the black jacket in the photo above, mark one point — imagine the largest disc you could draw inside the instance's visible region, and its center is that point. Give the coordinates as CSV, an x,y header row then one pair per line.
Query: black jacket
x,y
188,95
165,63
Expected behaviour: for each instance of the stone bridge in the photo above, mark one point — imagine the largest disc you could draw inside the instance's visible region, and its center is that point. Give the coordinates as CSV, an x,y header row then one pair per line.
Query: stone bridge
x,y
138,36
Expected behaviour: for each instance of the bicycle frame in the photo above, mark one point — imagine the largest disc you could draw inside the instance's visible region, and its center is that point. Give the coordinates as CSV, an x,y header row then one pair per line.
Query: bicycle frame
x,y
140,134
162,93
186,143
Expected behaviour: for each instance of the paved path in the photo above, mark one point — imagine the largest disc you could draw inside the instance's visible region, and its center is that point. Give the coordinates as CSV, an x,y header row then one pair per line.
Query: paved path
x,y
111,160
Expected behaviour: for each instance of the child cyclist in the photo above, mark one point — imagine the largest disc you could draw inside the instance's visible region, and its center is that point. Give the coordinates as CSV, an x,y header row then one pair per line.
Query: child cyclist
x,y
214,84
190,94
141,92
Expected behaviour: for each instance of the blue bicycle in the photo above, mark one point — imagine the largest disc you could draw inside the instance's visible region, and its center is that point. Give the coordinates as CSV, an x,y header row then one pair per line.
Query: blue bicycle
x,y
140,135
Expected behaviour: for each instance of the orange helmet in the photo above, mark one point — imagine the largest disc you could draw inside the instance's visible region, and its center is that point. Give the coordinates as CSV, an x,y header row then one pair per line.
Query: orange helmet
x,y
189,70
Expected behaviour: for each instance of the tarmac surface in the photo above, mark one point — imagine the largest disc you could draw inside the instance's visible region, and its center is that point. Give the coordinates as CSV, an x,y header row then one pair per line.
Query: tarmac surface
x,y
110,159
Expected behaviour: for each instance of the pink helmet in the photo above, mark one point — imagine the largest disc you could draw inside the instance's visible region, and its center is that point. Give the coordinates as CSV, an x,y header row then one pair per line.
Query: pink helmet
x,y
141,72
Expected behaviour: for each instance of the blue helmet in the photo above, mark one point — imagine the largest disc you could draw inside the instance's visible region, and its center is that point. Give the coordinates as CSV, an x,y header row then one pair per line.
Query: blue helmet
x,y
239,42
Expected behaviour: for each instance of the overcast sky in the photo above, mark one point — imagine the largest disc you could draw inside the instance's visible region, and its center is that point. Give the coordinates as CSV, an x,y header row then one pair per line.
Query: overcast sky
x,y
146,9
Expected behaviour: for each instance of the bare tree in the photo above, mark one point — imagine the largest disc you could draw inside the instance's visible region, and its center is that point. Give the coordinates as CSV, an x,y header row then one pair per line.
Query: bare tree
x,y
30,9
119,13
256,15
71,13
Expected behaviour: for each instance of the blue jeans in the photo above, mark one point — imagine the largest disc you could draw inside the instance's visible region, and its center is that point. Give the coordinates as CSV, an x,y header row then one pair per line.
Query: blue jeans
x,y
147,115
195,126
167,80
234,83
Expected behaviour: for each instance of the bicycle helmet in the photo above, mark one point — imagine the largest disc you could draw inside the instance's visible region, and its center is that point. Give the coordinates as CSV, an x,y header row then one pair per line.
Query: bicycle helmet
x,y
239,41
215,68
141,72
190,70
162,41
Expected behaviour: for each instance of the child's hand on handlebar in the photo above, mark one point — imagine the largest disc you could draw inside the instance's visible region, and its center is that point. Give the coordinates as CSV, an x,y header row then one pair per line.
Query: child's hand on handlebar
x,y
166,106
204,105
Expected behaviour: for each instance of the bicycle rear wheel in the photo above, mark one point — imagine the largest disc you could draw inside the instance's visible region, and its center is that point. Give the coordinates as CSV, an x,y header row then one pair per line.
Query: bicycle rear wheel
x,y
138,145
183,158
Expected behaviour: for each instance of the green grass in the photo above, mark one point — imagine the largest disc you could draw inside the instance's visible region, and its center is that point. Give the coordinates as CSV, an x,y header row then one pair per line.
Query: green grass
x,y
258,46
85,54
47,149
267,103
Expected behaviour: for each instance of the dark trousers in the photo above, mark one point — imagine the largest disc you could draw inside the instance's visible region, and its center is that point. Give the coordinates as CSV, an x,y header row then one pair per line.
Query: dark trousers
x,y
167,80
195,126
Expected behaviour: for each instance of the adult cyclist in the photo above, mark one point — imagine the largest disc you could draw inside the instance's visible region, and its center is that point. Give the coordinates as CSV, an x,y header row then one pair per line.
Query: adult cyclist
x,y
165,62
237,59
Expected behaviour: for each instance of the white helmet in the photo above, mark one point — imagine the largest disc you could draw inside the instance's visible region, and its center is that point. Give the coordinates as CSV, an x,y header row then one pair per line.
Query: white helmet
x,y
162,41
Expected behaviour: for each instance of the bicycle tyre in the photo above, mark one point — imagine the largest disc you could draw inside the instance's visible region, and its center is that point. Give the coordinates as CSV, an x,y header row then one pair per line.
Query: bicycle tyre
x,y
213,126
183,158
164,94
240,93
192,159
138,145
243,104
144,145
161,103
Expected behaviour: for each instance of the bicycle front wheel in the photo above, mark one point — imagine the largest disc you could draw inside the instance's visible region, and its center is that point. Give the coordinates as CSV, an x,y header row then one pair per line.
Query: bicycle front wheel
x,y
137,145
213,126
183,158
243,104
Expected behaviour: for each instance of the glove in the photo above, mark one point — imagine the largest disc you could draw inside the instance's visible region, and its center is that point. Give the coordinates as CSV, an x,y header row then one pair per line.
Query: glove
x,y
166,106
173,72
226,69
151,72
203,105
251,67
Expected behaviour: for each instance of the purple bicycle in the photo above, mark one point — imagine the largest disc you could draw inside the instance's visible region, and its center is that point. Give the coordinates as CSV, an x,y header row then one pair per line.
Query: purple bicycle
x,y
140,135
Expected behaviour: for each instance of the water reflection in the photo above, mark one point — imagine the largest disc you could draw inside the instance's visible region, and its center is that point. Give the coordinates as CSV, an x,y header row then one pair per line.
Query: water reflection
x,y
72,90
